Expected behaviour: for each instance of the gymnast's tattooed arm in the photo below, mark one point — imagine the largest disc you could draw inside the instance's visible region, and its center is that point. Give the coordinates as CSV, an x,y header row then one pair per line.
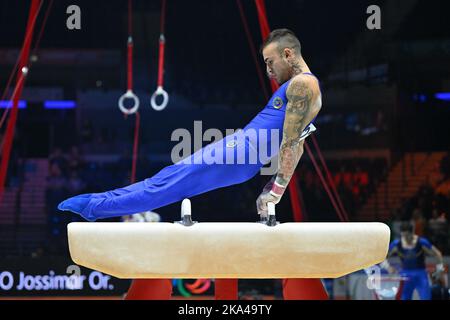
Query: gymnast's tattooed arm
x,y
304,103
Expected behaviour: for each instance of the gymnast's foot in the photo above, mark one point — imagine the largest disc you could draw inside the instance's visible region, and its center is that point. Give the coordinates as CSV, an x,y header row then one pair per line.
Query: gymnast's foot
x,y
76,204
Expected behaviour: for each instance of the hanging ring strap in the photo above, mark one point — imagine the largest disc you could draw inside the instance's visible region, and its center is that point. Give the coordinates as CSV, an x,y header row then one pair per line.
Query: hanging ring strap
x,y
129,94
160,88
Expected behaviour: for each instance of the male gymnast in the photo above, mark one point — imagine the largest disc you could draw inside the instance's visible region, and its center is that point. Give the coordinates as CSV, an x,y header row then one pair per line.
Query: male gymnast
x,y
290,111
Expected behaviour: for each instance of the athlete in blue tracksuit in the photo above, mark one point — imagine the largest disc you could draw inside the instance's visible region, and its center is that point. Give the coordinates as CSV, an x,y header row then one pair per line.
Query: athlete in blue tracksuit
x,y
411,249
242,157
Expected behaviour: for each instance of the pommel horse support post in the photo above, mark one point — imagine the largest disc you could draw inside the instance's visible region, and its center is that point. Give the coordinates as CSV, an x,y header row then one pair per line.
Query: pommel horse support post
x,y
190,250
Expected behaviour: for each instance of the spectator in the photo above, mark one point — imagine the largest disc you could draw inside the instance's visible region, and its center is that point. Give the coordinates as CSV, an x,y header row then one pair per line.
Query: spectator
x,y
56,181
57,158
75,160
75,185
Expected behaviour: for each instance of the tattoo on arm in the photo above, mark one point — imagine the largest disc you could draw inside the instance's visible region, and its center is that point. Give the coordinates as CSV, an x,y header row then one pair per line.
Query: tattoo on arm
x,y
299,114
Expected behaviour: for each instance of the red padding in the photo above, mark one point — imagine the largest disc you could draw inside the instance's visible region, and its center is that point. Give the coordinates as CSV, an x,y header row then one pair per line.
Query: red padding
x,y
226,289
304,289
150,289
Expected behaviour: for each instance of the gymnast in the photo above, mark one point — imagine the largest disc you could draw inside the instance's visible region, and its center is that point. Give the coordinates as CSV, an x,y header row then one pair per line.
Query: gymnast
x,y
291,111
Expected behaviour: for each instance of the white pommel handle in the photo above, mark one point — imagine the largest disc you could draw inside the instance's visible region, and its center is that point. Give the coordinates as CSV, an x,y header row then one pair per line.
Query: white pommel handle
x,y
271,208
185,208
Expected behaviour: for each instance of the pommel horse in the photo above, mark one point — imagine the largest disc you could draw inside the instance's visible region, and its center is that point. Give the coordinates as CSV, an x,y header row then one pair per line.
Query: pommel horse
x,y
262,250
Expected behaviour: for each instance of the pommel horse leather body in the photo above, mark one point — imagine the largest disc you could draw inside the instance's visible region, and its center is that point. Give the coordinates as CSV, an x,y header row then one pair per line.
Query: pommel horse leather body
x,y
227,250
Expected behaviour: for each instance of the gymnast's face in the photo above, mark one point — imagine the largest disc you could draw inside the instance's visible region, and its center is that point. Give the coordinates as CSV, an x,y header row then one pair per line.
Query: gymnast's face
x,y
277,63
408,236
